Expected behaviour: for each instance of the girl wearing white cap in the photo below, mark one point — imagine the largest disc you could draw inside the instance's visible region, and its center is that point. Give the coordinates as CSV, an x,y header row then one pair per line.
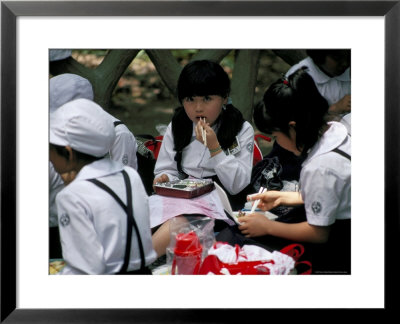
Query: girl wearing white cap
x,y
103,213
293,113
66,87
62,89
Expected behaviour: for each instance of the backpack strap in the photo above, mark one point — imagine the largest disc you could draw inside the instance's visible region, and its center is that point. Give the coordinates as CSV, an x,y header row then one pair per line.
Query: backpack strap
x,y
131,223
342,153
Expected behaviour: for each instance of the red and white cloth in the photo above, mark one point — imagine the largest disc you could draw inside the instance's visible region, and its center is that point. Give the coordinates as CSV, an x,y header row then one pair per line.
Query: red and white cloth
x,y
274,263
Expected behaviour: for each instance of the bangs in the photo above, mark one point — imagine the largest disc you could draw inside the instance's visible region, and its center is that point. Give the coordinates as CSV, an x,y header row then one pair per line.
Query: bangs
x,y
200,87
203,78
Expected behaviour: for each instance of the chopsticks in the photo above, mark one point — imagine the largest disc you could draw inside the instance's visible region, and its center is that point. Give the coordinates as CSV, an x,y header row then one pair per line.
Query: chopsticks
x,y
262,190
203,133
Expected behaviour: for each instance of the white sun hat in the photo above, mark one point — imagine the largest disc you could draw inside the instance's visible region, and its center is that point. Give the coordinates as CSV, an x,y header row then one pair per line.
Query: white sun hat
x,y
84,126
59,54
66,87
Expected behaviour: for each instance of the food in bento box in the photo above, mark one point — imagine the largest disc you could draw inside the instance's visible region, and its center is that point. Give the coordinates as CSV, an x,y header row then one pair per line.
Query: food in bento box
x,y
187,188
241,213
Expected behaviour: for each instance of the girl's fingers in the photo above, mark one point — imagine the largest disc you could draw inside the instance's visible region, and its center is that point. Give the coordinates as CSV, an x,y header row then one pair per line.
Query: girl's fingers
x,y
261,204
199,135
254,197
161,178
242,225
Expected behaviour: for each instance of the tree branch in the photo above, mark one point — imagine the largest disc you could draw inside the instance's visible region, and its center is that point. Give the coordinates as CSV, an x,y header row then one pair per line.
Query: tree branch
x,y
211,54
167,67
291,56
69,65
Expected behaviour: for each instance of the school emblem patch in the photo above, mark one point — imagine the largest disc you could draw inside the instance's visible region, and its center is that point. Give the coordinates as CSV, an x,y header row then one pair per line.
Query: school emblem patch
x,y
316,207
125,159
235,147
64,219
250,147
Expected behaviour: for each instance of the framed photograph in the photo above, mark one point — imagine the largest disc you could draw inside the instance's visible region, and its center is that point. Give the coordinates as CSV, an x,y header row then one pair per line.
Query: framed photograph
x,y
371,29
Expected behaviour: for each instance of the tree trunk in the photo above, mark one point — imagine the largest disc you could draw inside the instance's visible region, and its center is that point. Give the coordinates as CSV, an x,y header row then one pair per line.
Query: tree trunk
x,y
107,74
167,67
244,80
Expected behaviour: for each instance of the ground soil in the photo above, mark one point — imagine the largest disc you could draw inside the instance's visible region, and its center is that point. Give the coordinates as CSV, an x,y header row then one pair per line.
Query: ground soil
x,y
143,102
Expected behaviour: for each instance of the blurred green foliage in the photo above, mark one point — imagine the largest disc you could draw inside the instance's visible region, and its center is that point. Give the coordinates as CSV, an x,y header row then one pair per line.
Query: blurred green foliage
x,y
97,52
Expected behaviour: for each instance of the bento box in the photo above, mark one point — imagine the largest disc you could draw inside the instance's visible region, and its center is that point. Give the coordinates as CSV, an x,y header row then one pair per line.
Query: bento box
x,y
187,188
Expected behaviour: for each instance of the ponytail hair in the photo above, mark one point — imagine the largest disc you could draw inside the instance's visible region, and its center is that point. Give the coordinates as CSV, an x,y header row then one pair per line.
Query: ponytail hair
x,y
230,124
297,99
182,129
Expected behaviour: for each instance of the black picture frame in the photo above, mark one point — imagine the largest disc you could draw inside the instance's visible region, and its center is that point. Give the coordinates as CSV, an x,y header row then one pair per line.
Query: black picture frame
x,y
10,10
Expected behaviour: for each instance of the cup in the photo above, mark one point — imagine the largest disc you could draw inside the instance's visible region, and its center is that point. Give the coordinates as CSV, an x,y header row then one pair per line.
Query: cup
x,y
187,254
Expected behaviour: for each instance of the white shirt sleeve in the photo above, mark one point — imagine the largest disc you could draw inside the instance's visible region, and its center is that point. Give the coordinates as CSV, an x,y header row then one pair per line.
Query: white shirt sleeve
x,y
346,121
234,171
321,190
124,147
55,185
82,250
166,157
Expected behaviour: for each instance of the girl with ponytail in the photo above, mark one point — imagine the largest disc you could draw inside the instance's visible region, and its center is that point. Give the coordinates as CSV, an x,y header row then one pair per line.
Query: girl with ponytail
x,y
293,112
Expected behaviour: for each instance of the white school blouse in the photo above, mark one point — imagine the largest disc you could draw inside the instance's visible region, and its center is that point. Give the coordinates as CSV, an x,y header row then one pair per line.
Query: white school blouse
x,y
325,178
93,225
233,170
331,88
124,147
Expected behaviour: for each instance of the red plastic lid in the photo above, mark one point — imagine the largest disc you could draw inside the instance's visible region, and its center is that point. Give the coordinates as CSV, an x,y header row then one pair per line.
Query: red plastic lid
x,y
187,244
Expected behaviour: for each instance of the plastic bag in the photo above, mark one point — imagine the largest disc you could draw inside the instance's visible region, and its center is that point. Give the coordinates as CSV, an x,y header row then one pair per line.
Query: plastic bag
x,y
190,239
161,129
224,259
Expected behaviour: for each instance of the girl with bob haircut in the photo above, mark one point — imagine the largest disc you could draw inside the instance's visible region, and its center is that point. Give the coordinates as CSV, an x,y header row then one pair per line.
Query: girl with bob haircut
x,y
207,138
293,113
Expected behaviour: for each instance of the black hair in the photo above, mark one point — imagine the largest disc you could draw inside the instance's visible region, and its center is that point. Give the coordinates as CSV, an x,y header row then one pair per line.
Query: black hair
x,y
202,78
61,150
319,56
295,98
